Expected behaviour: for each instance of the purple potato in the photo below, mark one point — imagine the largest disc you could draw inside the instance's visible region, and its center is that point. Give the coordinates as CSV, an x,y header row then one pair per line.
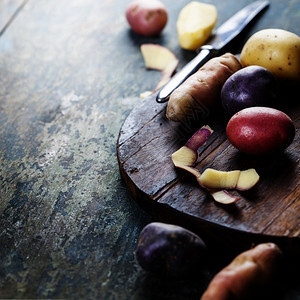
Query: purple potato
x,y
248,87
169,250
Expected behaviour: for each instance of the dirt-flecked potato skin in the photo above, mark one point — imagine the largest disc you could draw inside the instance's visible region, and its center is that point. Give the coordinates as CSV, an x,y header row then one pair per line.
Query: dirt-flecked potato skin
x,y
247,274
277,50
169,250
202,89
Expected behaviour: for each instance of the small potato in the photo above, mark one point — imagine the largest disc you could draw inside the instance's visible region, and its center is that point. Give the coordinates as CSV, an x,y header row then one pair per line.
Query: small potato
x,y
170,250
250,86
147,18
260,130
275,49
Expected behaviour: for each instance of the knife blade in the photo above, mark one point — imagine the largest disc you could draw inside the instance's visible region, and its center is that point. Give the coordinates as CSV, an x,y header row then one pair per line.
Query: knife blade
x,y
223,36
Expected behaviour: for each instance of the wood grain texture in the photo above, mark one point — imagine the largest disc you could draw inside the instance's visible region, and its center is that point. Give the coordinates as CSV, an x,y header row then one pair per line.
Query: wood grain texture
x,y
70,73
269,210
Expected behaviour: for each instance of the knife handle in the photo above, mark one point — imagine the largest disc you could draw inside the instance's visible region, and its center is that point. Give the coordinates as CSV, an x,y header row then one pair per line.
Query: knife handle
x,y
206,53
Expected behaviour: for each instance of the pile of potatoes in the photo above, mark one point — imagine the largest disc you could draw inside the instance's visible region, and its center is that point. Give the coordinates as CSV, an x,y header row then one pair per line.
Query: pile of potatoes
x,y
174,251
248,91
268,57
194,25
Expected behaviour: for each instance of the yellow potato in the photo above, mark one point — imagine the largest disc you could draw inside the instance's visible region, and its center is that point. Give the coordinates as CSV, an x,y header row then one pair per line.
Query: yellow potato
x,y
195,24
277,50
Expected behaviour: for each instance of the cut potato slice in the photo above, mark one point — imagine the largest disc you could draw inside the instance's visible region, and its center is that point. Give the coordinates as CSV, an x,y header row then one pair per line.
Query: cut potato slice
x,y
195,24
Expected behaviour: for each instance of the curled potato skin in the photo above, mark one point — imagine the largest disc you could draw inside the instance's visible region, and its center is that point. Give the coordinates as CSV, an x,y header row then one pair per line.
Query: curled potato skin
x,y
247,273
202,89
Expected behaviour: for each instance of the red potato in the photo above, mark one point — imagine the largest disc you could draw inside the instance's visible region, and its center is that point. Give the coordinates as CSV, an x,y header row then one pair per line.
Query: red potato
x,y
202,89
147,17
260,130
246,274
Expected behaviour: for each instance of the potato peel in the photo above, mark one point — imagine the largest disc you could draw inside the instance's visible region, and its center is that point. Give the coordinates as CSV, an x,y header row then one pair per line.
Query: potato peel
x,y
214,181
223,197
239,180
186,157
159,58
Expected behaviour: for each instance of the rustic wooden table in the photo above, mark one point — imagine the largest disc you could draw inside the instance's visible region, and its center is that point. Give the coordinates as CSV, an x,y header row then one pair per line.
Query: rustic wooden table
x,y
70,73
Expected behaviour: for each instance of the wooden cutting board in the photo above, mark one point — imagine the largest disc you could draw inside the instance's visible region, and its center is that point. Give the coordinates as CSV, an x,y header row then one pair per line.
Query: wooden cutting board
x,y
269,211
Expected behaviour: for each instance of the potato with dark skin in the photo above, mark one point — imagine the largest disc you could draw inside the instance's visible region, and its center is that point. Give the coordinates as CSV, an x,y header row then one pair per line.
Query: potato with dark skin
x,y
201,90
248,87
248,273
170,250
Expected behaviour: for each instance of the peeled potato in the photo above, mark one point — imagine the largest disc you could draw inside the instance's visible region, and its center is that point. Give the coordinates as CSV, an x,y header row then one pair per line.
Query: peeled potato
x,y
277,50
195,24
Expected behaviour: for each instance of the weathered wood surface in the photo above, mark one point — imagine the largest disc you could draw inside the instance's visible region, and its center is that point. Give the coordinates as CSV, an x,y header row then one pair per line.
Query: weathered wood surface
x,y
270,210
70,73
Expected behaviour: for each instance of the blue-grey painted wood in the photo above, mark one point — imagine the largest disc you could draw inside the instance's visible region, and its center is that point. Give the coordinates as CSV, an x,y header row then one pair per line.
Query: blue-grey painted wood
x,y
70,73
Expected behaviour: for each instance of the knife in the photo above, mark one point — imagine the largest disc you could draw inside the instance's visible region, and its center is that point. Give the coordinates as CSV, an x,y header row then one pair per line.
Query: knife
x,y
224,35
